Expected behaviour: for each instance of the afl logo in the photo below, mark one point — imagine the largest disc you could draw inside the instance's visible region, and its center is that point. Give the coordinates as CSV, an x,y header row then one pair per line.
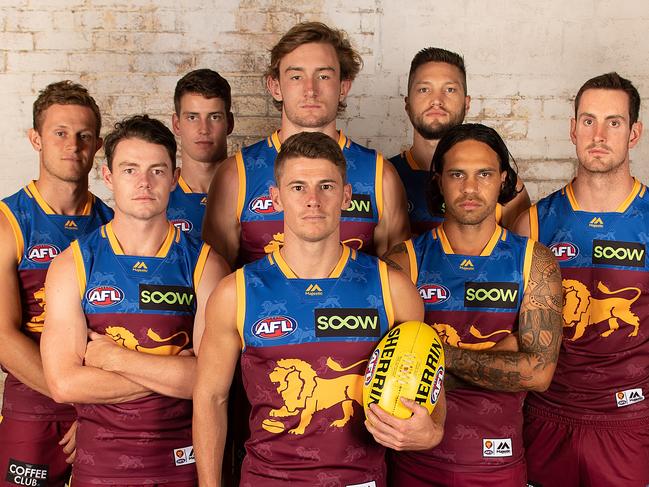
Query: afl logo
x,y
262,205
564,251
434,293
104,296
183,225
274,327
42,253
371,366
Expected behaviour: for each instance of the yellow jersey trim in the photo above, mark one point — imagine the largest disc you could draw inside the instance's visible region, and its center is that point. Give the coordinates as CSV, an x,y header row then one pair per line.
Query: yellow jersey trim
x,y
173,233
342,262
637,187
412,259
499,213
571,197
498,233
32,191
446,245
112,239
79,267
183,185
534,222
289,274
274,139
387,296
241,176
200,264
283,266
527,263
411,160
241,304
343,140
15,227
378,184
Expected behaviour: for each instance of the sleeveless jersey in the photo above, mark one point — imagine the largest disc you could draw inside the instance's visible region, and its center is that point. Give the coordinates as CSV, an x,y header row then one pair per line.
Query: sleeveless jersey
x,y
306,346
414,181
145,304
40,235
603,365
473,302
262,227
186,209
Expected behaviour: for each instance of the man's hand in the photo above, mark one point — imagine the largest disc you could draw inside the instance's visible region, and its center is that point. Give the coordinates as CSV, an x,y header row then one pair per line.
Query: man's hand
x,y
101,351
419,432
69,443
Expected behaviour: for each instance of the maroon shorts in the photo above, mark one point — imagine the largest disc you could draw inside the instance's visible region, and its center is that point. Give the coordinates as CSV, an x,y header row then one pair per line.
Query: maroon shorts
x,y
76,483
570,452
508,476
30,454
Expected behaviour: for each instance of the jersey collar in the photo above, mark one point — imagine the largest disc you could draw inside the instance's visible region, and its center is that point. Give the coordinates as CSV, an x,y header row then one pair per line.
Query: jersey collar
x,y
33,192
499,234
276,257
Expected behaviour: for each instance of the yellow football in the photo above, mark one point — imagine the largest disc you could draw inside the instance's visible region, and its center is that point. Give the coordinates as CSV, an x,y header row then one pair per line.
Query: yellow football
x,y
408,362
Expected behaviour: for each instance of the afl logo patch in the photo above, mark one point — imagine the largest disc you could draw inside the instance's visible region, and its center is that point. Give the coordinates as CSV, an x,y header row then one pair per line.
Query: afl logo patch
x,y
371,366
434,293
104,296
564,251
262,205
183,225
42,253
274,327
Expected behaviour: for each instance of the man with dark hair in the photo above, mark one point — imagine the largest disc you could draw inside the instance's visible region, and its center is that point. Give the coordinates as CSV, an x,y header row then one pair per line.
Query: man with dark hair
x,y
137,287
311,71
203,120
285,316
591,427
495,298
36,223
437,100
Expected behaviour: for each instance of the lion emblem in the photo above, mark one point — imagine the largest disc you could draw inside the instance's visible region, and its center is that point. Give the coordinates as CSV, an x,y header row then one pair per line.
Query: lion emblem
x,y
304,393
581,310
36,323
127,339
451,337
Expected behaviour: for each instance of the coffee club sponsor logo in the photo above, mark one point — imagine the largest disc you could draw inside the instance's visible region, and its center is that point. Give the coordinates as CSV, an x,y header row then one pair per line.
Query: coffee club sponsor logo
x,y
620,253
262,205
491,295
274,327
434,293
42,253
26,474
564,251
347,322
103,296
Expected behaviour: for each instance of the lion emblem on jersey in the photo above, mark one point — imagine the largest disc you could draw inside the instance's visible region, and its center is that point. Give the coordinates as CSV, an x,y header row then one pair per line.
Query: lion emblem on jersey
x,y
580,309
451,337
126,339
36,323
304,393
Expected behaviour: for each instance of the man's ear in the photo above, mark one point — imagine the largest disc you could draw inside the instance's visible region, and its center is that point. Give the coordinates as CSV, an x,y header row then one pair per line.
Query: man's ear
x,y
230,122
272,85
345,86
636,132
175,124
107,176
35,140
347,196
573,130
275,198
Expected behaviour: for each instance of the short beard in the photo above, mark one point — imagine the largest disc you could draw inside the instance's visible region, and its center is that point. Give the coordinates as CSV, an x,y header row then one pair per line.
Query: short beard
x,y
436,132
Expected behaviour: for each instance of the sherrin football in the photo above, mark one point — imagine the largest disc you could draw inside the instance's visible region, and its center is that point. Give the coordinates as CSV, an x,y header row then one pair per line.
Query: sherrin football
x,y
408,362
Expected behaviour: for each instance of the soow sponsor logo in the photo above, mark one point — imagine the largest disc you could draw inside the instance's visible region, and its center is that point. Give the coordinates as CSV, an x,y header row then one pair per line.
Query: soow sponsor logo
x,y
170,298
434,293
564,251
360,207
104,296
619,253
42,253
262,205
490,295
347,322
274,327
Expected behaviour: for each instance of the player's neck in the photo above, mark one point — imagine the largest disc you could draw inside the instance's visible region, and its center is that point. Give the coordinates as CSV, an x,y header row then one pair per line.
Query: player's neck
x,y
288,128
602,192
469,239
140,237
311,260
198,175
422,151
65,198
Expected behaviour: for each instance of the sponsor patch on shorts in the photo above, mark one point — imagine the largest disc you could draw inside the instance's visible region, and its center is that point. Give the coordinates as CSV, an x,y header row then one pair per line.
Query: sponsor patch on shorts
x,y
366,484
26,474
184,456
496,447
628,397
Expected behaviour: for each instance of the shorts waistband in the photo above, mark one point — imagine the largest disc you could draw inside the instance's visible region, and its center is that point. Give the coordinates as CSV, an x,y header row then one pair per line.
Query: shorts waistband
x,y
632,420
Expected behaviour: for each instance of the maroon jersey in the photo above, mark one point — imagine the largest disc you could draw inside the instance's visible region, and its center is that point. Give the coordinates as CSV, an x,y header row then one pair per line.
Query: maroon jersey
x,y
472,302
40,235
146,304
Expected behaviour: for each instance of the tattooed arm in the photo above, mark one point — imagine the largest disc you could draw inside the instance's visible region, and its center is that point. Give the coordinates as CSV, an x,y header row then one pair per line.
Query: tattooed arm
x,y
539,340
397,258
